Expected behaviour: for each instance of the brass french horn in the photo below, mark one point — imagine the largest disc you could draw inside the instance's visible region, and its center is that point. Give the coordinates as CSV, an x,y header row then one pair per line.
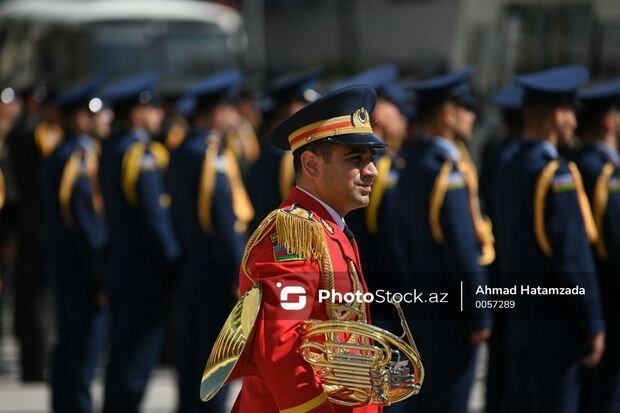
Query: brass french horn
x,y
361,364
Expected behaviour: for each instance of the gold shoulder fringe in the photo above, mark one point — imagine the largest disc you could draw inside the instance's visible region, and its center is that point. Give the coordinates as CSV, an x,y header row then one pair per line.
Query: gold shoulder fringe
x,y
299,235
584,204
599,206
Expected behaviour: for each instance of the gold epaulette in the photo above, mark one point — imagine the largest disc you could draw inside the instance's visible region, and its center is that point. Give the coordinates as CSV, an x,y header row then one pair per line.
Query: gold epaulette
x,y
544,182
2,189
47,137
161,154
384,164
599,207
132,165
438,195
287,175
295,229
242,206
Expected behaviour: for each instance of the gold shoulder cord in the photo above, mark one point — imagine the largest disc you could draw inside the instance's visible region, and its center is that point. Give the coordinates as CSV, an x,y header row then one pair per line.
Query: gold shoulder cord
x,y
131,171
161,154
482,225
584,204
287,175
384,164
540,195
599,206
70,174
438,195
242,206
207,186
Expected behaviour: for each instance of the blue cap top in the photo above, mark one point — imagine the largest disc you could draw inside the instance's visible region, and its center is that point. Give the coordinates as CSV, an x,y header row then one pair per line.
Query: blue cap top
x,y
557,84
452,86
292,87
136,90
601,96
80,96
510,97
220,86
376,77
342,116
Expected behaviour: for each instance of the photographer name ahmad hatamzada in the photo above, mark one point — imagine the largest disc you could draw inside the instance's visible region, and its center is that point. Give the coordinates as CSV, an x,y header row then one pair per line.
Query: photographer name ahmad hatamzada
x,y
526,289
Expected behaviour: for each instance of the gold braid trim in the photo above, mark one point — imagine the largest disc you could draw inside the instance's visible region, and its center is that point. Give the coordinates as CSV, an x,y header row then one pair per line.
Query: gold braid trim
x,y
161,154
482,225
599,206
242,206
207,186
384,164
540,195
2,189
287,174
438,195
69,176
131,171
584,204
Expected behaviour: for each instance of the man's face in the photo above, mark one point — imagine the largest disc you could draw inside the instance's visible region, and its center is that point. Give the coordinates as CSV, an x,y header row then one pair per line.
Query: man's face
x,y
566,123
344,181
102,123
464,120
148,117
391,125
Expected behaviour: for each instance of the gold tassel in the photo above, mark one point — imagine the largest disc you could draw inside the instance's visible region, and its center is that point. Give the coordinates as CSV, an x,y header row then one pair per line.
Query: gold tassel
x,y
599,205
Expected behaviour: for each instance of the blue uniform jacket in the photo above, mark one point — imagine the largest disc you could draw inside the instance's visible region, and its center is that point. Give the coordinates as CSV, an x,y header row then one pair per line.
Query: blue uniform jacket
x,y
142,245
544,240
211,255
75,229
438,232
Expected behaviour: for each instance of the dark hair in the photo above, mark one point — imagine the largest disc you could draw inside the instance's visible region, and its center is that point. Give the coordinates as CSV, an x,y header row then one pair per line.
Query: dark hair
x,y
321,148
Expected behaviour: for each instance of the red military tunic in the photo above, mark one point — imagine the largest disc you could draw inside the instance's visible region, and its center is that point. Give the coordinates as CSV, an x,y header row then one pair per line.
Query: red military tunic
x,y
276,377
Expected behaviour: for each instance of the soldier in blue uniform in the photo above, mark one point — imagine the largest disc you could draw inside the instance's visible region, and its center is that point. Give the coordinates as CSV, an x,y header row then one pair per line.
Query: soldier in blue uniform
x,y
375,226
599,163
438,227
496,152
76,237
210,212
271,177
545,223
142,249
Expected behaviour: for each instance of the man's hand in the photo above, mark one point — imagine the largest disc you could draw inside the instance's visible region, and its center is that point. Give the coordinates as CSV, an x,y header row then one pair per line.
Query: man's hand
x,y
479,336
595,348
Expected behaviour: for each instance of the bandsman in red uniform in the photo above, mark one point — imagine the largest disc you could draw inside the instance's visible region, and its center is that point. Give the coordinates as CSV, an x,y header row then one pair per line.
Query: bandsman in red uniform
x,y
305,246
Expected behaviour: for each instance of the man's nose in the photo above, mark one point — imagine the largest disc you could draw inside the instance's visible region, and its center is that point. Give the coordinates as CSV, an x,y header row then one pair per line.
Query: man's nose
x,y
370,170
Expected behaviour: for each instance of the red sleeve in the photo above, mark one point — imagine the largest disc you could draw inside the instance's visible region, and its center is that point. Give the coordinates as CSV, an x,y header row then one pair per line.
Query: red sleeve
x,y
290,287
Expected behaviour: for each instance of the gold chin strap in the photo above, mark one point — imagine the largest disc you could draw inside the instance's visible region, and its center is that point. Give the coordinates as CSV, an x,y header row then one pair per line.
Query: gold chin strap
x,y
482,224
599,206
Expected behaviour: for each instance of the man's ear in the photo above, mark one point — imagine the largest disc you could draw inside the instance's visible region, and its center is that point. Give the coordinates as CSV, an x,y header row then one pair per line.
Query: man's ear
x,y
448,113
310,164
